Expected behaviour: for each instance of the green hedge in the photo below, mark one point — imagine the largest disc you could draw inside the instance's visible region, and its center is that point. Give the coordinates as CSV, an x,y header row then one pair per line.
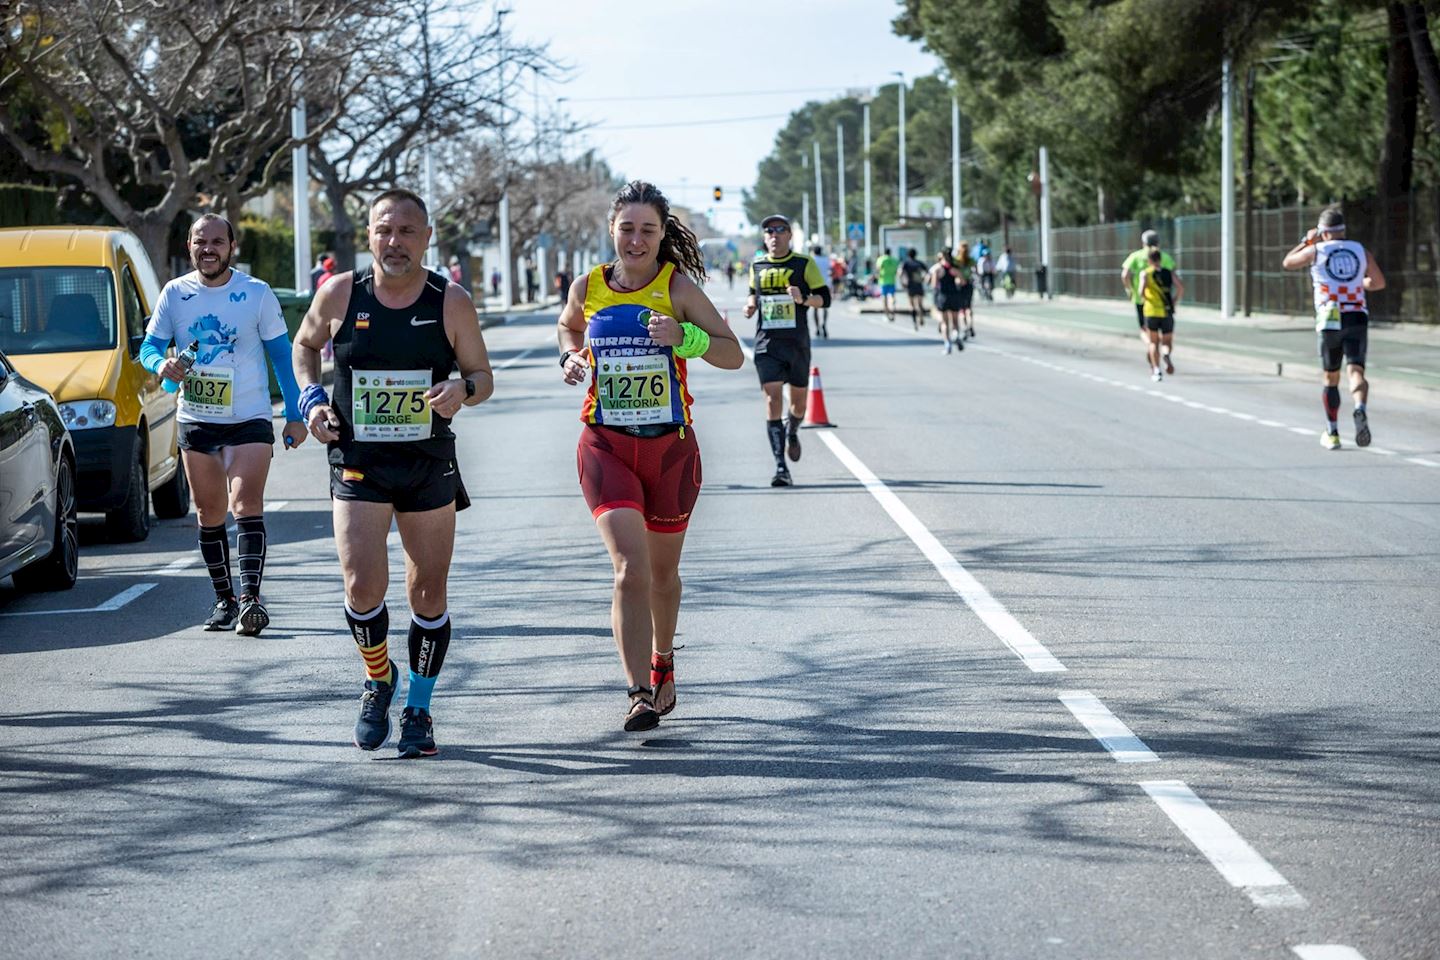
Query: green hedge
x,y
23,205
269,247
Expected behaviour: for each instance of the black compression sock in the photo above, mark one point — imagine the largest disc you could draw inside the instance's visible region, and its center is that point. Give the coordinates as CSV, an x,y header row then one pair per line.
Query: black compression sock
x,y
250,553
776,430
215,550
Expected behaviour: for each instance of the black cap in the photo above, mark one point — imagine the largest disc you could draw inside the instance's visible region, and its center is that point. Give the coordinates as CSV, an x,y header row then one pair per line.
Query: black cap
x,y
773,217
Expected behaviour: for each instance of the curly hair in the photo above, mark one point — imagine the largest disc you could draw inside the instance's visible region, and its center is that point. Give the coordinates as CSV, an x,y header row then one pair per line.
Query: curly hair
x,y
678,245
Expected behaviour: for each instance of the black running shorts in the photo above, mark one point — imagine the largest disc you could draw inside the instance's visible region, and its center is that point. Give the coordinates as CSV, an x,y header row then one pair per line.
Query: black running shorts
x,y
412,486
1350,341
1165,324
210,437
784,361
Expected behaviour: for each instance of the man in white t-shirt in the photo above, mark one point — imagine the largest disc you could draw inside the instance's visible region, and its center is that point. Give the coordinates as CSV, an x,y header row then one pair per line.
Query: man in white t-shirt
x,y
232,321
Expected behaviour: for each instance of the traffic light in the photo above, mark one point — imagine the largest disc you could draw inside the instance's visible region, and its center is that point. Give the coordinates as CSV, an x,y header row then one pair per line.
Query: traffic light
x,y
718,194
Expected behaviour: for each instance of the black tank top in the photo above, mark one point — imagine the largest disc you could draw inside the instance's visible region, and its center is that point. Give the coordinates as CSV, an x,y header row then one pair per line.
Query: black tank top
x,y
945,284
375,337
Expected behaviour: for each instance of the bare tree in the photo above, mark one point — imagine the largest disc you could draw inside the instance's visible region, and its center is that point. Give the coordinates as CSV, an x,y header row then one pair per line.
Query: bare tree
x,y
157,106
446,82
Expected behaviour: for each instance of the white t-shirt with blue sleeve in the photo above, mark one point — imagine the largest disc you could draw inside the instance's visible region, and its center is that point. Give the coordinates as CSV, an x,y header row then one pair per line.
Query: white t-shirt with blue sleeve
x,y
228,383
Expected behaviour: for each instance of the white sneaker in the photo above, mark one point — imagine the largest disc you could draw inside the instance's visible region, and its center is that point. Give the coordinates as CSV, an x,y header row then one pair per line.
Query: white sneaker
x,y
949,347
1157,376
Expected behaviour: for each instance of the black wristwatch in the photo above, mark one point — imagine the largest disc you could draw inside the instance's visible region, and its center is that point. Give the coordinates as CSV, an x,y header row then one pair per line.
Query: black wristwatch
x,y
565,357
469,388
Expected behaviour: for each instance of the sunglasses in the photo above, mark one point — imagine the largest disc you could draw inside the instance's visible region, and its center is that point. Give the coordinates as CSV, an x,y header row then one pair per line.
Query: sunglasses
x,y
777,229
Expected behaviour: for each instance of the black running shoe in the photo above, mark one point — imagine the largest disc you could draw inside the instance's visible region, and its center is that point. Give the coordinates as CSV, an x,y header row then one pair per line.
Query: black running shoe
x,y
1362,429
372,728
416,734
792,445
781,478
1169,367
223,614
253,617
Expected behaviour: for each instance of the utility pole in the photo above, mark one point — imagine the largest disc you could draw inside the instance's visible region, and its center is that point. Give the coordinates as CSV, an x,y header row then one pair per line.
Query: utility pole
x,y
869,237
432,252
1246,289
805,203
1227,196
819,195
841,227
1045,220
957,221
902,143
300,185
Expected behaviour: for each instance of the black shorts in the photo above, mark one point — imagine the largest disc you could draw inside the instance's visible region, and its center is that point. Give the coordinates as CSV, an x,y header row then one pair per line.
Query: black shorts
x,y
1165,324
784,361
947,302
210,437
916,290
412,486
966,293
1350,340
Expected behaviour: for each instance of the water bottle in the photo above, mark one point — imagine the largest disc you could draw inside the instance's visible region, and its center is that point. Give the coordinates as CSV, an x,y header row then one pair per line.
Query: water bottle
x,y
186,359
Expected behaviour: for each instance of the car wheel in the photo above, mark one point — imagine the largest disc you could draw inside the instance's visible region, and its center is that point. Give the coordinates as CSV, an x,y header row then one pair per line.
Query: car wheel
x,y
59,569
172,498
130,522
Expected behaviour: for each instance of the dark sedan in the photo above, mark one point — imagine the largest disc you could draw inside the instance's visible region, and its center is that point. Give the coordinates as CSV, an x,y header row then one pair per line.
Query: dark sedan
x,y
39,530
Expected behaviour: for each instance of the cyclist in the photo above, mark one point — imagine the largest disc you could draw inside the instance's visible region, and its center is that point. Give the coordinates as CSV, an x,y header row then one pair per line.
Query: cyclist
x,y
226,435
628,329
1342,272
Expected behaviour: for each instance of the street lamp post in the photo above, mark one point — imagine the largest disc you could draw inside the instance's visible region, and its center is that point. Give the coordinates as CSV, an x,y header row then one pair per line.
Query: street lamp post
x,y
869,237
840,227
805,202
901,75
957,224
300,161
819,195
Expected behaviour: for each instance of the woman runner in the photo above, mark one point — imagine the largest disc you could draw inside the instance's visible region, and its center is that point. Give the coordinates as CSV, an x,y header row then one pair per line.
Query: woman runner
x,y
628,329
945,279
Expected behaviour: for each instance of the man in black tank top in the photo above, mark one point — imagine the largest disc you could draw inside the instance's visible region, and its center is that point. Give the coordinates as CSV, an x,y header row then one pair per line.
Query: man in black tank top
x,y
399,331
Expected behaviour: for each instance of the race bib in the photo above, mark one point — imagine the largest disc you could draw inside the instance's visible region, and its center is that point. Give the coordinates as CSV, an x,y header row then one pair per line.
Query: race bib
x,y
777,312
1327,318
390,406
634,390
210,391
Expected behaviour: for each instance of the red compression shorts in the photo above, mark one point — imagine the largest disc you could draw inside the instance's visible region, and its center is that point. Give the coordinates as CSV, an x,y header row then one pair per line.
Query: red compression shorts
x,y
659,476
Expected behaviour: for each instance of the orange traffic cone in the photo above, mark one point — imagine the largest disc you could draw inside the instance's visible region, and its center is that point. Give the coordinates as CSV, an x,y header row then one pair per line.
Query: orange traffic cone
x,y
815,415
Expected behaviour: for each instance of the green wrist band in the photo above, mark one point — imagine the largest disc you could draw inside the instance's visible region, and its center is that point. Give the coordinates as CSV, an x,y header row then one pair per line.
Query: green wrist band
x,y
696,342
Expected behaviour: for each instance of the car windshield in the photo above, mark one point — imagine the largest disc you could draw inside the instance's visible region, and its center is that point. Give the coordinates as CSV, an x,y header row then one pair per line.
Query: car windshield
x,y
56,309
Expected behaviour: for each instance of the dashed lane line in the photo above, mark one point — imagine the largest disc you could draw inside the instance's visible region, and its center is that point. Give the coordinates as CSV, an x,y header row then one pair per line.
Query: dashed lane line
x,y
109,606
1135,388
1238,862
1104,726
1326,951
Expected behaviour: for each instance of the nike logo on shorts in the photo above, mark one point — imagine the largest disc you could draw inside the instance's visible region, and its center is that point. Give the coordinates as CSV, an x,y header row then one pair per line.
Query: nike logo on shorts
x,y
417,322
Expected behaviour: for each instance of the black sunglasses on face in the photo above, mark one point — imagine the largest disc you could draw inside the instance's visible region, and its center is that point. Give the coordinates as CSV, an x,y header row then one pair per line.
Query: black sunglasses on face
x,y
777,229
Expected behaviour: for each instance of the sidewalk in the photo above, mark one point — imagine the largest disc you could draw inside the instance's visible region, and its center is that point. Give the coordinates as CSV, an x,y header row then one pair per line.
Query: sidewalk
x,y
493,312
1402,361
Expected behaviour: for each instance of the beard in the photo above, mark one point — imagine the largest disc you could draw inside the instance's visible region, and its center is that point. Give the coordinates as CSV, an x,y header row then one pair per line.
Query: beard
x,y
396,267
212,270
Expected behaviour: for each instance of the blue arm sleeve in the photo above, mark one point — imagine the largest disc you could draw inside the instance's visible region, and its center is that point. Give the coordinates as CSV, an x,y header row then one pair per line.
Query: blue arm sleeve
x,y
152,353
278,349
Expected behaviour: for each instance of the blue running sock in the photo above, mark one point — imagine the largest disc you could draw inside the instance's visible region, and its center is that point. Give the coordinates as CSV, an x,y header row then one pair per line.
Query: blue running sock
x,y
417,694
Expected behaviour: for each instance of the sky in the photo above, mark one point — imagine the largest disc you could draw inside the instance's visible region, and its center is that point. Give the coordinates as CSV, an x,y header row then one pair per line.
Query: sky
x,y
660,63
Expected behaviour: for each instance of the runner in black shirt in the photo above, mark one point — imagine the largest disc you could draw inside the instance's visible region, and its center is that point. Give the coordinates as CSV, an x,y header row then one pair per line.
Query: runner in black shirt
x,y
784,284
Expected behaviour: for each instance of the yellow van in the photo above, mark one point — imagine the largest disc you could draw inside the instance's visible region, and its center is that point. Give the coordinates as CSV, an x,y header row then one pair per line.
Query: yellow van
x,y
74,302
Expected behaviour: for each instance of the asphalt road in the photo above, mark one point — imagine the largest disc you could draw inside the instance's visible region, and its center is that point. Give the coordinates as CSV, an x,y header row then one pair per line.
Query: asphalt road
x,y
1038,659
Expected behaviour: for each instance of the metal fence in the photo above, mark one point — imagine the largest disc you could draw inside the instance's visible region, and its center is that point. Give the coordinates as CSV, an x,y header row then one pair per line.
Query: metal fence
x,y
1085,261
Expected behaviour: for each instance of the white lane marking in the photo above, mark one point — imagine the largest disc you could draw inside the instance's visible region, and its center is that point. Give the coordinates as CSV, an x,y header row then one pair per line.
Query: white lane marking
x,y
1107,728
976,597
1326,951
175,566
1236,860
109,606
1301,431
518,357
277,505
